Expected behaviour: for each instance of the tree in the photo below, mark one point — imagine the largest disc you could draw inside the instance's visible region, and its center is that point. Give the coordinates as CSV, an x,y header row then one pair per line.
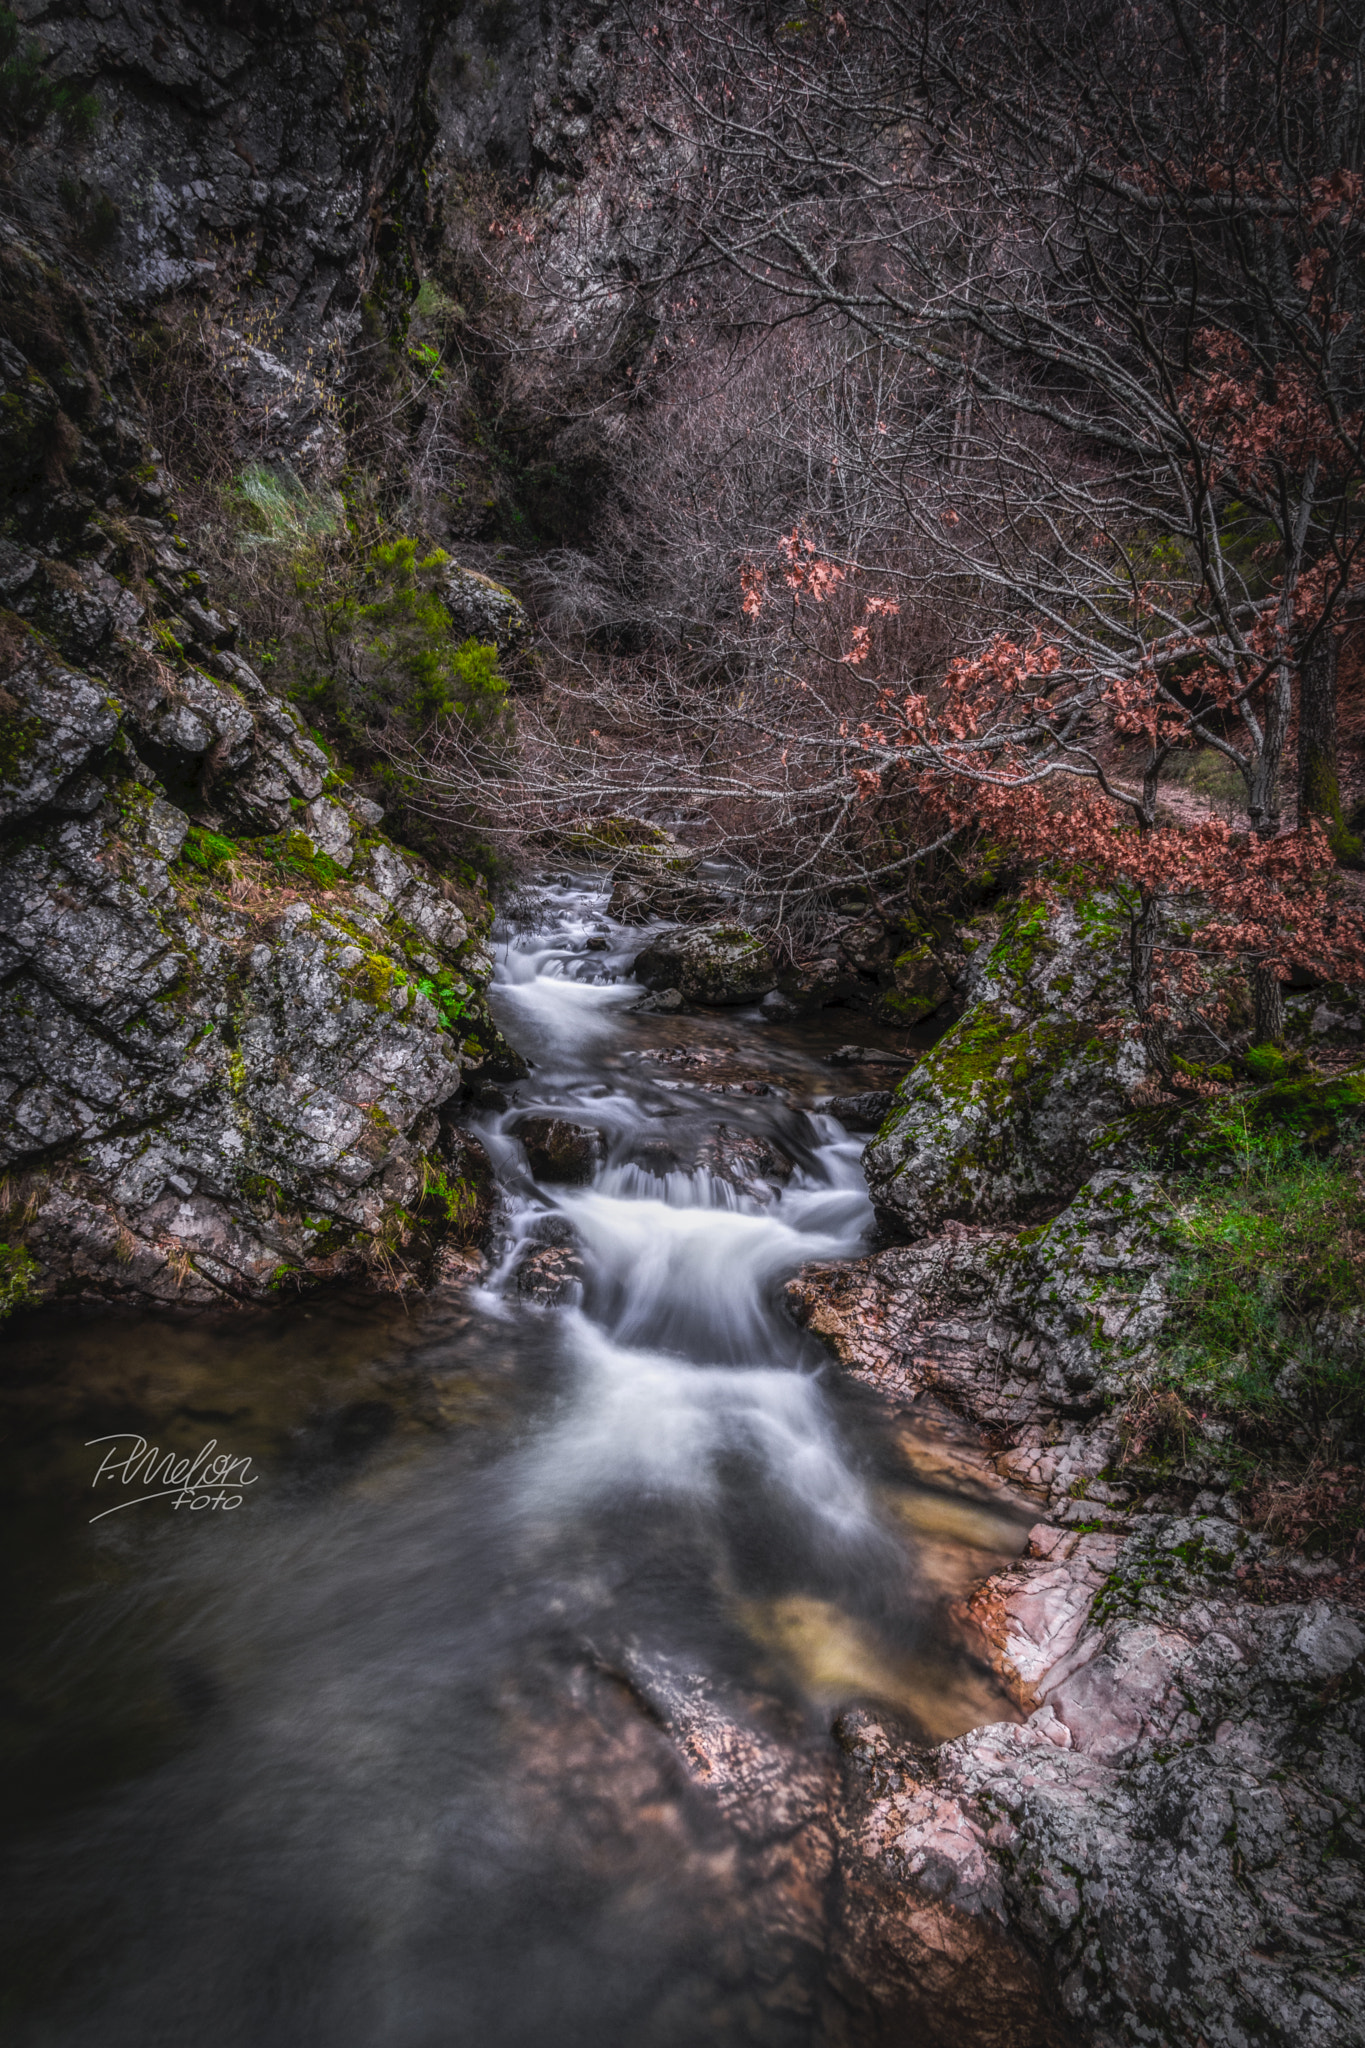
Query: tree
x,y
1127,246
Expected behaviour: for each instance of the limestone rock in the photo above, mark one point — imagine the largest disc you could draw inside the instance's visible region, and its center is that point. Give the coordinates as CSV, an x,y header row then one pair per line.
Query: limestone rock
x,y
718,964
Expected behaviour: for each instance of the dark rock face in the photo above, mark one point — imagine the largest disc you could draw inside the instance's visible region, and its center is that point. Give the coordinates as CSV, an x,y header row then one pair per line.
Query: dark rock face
x,y
717,964
559,1151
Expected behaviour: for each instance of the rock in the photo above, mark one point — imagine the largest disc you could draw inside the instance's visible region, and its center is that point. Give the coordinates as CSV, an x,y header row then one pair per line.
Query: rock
x,y
717,964
867,1056
558,1151
779,1008
921,986
52,722
662,1002
1000,1117
331,827
865,1112
746,1159
481,609
1042,1335
550,1271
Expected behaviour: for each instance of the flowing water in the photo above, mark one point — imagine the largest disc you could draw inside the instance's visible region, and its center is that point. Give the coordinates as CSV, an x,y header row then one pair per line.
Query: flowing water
x,y
499,1711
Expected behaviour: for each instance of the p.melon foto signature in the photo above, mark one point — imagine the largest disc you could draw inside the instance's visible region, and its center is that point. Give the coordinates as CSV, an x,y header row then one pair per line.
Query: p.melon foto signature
x,y
205,1481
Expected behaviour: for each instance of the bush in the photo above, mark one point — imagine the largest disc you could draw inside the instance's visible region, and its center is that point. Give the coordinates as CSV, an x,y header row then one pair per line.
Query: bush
x,y
385,643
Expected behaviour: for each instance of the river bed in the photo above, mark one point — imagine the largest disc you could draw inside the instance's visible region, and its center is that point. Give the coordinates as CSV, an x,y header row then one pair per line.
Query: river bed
x,y
499,1711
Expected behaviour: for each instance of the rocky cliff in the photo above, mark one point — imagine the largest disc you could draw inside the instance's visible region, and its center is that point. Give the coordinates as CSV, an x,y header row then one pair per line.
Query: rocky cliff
x,y
237,1015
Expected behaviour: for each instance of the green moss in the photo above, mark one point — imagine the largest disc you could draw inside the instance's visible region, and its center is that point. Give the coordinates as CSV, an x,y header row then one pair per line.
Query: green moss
x,y
20,732
375,980
1265,1063
18,1271
895,1007
206,851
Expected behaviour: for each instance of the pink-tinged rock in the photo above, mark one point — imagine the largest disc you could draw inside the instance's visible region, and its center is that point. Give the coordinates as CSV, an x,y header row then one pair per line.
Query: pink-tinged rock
x,y
1124,1694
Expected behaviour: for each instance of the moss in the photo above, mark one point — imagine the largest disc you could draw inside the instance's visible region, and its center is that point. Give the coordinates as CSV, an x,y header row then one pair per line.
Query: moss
x,y
20,732
895,1007
206,851
18,1273
375,980
1322,793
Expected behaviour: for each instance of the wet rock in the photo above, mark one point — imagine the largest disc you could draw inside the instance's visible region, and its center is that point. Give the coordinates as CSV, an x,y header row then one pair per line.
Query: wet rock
x,y
661,1002
550,1274
1000,1116
746,1159
866,1056
558,1151
865,1112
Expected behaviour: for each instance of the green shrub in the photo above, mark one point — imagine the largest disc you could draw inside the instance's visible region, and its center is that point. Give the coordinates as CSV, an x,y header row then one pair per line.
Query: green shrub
x,y
386,646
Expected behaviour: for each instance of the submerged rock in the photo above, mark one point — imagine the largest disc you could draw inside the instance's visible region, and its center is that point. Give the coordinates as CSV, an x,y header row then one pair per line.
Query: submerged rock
x,y
558,1151
746,1159
1001,1116
718,964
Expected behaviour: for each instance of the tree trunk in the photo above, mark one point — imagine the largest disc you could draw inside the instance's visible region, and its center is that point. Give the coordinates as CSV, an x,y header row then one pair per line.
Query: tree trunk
x,y
1319,786
1143,932
1267,994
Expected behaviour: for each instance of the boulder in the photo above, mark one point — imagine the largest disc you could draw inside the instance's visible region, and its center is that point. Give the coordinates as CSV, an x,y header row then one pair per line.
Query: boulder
x,y
921,986
481,609
999,1120
865,1112
559,1151
719,964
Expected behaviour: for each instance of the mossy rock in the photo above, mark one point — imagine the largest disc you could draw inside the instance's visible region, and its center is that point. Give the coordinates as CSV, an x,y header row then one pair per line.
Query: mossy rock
x,y
1002,1117
718,964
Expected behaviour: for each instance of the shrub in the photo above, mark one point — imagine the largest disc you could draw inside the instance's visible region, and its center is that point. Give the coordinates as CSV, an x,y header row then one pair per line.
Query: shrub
x,y
385,644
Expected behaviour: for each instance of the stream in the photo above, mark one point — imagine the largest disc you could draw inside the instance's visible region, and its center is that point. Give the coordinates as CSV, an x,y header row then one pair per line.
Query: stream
x,y
499,1712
